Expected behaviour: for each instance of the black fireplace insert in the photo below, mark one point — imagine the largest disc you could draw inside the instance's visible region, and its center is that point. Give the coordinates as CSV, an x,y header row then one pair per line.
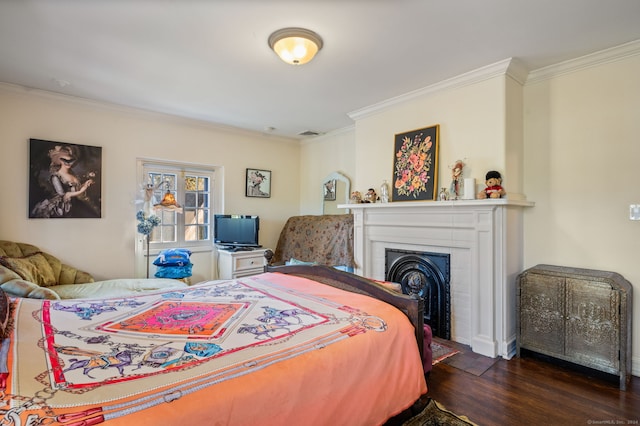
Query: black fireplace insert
x,y
429,273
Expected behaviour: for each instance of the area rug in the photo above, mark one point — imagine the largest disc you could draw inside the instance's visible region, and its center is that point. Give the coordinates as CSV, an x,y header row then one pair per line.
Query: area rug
x,y
441,352
434,414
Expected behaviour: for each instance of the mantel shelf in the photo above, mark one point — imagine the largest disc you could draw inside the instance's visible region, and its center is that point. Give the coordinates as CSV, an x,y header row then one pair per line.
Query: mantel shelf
x,y
439,204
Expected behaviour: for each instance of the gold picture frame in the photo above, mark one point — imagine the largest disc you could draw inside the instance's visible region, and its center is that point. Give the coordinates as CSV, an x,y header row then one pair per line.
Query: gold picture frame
x,y
415,165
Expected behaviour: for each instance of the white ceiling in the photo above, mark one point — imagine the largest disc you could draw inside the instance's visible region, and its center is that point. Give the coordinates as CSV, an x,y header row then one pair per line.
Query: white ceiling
x,y
209,59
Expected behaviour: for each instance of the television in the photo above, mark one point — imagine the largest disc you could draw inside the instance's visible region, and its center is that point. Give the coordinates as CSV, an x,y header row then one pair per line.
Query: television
x,y
232,230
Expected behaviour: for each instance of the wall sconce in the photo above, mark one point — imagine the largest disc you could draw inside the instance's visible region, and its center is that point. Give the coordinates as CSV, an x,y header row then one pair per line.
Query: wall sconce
x,y
295,46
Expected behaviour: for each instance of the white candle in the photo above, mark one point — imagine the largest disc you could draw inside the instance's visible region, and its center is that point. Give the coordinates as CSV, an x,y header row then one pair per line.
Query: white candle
x,y
469,189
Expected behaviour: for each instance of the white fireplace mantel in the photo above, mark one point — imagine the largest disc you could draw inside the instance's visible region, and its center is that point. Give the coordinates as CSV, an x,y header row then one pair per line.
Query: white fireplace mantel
x,y
484,241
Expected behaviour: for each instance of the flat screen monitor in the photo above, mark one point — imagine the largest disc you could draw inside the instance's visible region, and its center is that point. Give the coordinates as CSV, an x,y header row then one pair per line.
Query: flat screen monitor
x,y
236,230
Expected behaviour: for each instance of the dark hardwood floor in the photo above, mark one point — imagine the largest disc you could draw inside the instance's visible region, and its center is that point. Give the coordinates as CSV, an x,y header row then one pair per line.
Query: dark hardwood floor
x,y
530,391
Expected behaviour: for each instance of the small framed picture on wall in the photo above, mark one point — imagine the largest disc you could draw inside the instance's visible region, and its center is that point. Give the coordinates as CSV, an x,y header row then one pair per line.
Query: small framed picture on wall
x,y
258,183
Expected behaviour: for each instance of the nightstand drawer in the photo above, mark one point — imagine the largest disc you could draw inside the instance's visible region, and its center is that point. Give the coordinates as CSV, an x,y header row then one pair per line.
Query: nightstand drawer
x,y
252,262
236,264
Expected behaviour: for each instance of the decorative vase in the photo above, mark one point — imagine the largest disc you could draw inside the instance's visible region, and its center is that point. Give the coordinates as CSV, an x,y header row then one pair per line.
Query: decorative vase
x,y
443,194
384,192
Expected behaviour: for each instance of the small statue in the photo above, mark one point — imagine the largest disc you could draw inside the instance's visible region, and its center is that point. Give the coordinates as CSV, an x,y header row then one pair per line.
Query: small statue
x,y
356,197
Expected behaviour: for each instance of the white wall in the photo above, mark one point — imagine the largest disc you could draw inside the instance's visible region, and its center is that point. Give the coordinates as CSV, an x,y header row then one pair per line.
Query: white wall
x,y
568,140
105,247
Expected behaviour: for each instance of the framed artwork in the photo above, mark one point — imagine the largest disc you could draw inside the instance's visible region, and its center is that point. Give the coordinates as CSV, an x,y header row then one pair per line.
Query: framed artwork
x,y
64,180
258,183
415,165
329,189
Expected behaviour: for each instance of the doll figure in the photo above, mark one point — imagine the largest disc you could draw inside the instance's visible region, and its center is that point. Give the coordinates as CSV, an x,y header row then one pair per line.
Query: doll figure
x,y
456,180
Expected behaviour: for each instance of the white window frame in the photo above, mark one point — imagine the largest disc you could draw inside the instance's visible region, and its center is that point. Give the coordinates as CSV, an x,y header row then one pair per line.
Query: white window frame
x,y
216,203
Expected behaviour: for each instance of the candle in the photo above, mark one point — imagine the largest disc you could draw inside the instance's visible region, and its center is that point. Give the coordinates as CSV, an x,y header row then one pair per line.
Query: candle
x,y
469,189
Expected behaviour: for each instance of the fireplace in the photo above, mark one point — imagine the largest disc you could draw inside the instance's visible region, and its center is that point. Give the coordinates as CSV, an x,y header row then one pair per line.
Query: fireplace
x,y
430,274
483,239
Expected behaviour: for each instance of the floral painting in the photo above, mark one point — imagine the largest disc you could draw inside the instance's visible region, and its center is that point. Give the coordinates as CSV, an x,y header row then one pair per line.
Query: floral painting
x,y
415,165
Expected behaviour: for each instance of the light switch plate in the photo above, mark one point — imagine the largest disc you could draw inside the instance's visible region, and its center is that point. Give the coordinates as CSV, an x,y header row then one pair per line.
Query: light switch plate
x,y
634,212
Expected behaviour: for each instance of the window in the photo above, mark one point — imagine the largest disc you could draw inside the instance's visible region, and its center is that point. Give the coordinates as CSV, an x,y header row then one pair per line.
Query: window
x,y
189,226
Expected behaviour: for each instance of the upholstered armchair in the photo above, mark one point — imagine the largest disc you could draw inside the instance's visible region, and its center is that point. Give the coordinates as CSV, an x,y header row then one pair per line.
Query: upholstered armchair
x,y
26,271
320,239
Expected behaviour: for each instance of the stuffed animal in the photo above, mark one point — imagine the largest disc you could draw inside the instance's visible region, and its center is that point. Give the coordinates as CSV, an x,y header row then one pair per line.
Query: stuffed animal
x,y
494,189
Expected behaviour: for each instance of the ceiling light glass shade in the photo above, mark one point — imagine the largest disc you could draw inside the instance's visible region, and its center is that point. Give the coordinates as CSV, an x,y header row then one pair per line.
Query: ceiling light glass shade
x,y
295,46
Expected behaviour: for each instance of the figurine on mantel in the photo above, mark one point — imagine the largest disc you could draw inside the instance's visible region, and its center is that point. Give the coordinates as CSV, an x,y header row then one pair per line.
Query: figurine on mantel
x,y
494,189
370,196
456,180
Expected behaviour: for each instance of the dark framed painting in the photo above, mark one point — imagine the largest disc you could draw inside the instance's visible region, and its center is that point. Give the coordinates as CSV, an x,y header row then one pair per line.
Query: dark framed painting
x,y
65,180
415,165
258,183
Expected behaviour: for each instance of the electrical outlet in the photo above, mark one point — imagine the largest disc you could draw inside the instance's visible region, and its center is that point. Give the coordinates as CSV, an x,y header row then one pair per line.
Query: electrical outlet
x,y
634,212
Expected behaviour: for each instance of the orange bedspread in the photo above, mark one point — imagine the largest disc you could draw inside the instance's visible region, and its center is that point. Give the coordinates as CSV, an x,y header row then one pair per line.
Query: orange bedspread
x,y
268,349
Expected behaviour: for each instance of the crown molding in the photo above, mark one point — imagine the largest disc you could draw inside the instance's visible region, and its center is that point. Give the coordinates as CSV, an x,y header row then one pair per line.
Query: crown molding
x,y
612,54
471,77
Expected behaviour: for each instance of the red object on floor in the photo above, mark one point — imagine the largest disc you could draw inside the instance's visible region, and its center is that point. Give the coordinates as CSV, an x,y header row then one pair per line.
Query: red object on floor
x,y
427,356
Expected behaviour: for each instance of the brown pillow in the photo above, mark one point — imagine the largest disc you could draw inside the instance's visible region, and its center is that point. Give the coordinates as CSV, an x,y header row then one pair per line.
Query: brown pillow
x,y
33,267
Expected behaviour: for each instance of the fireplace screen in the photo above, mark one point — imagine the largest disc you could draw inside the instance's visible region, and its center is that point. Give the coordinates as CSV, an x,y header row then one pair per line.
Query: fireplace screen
x,y
430,272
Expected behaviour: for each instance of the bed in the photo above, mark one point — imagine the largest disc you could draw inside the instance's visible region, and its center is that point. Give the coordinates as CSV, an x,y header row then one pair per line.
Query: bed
x,y
305,344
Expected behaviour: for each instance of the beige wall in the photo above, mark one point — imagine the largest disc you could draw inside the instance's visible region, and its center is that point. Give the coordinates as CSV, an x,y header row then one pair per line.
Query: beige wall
x,y
471,120
320,157
581,153
105,247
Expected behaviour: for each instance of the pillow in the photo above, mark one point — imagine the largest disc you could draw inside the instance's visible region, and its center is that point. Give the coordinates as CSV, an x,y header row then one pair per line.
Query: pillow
x,y
22,288
33,268
173,257
294,261
183,271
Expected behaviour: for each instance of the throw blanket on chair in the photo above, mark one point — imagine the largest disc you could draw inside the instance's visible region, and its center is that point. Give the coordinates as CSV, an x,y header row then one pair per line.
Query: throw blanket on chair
x,y
323,239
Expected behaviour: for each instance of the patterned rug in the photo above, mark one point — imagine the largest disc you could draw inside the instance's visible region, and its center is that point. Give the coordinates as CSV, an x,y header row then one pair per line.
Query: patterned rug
x,y
441,352
434,414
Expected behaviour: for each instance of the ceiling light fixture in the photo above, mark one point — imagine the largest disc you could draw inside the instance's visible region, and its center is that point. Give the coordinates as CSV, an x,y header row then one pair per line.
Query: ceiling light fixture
x,y
295,46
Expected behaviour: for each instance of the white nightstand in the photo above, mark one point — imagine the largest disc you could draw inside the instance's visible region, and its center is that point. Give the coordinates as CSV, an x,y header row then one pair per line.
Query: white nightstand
x,y
236,264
